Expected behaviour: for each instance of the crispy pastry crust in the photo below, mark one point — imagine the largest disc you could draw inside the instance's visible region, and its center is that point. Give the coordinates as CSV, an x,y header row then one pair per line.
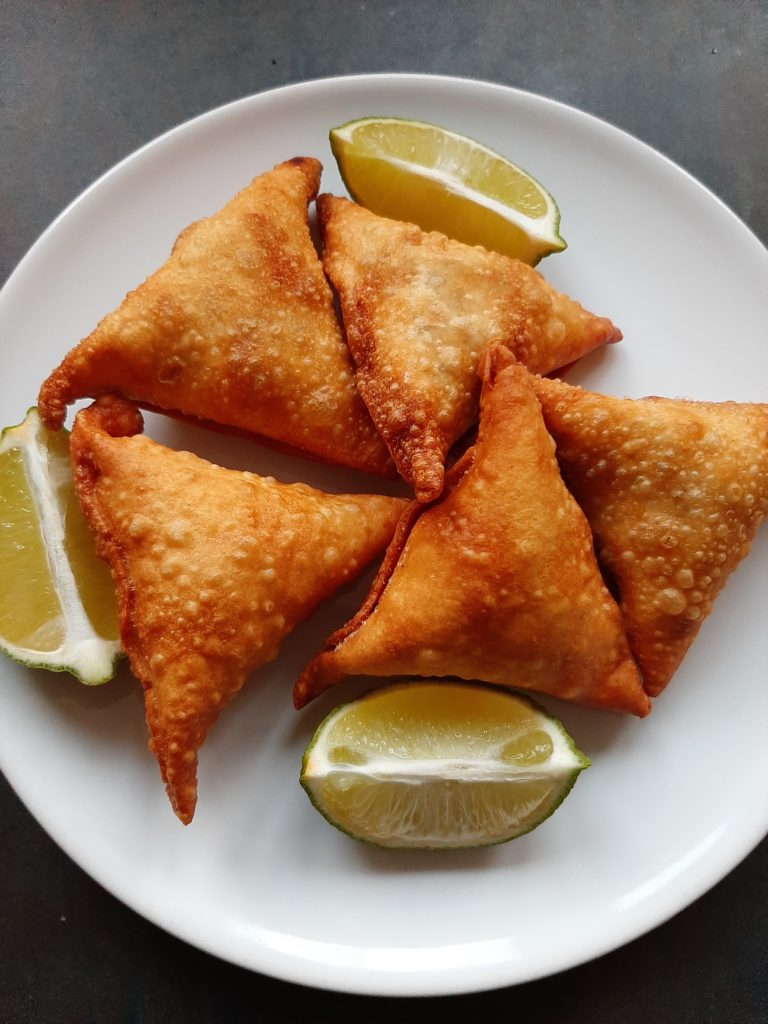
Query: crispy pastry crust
x,y
674,492
419,308
497,580
212,569
236,327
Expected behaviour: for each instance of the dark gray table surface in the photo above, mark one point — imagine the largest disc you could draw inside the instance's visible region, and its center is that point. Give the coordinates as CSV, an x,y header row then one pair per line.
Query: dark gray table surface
x,y
81,86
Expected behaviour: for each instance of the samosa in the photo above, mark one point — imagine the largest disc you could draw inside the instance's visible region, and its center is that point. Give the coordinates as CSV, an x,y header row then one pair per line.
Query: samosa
x,y
419,309
236,327
497,581
674,491
212,568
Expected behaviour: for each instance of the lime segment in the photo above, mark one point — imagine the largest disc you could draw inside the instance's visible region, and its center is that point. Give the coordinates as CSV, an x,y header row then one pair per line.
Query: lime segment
x,y
439,765
418,172
57,600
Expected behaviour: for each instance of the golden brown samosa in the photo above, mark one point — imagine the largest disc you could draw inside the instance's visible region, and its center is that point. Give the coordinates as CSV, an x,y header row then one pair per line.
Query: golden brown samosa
x,y
674,492
212,567
419,309
236,327
497,581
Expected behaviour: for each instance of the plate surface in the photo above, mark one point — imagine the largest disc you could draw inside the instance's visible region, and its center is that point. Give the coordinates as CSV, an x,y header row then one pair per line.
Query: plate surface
x,y
671,803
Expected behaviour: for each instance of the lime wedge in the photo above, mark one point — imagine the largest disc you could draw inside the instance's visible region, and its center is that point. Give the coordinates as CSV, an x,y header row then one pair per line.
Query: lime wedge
x,y
57,600
418,172
439,765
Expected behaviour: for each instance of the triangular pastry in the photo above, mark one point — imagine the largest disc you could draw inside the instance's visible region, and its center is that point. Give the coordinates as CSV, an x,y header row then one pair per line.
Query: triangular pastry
x,y
674,492
419,309
498,580
212,567
236,327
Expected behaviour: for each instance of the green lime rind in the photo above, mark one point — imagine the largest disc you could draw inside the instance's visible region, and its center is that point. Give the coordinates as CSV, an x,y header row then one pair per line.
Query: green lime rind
x,y
559,795
20,656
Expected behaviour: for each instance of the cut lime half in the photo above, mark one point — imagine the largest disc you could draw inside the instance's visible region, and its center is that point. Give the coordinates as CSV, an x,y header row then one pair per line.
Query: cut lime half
x,y
442,181
439,765
57,600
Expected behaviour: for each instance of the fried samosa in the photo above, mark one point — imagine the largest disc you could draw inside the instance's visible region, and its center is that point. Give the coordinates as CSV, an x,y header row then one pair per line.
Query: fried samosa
x,y
498,580
236,327
212,567
674,492
419,308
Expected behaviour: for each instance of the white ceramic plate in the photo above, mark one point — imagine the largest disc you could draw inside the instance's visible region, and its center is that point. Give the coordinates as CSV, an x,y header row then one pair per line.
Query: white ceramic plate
x,y
671,804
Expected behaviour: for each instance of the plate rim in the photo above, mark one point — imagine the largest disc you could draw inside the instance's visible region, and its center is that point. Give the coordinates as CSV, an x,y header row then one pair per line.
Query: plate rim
x,y
338,80
361,980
